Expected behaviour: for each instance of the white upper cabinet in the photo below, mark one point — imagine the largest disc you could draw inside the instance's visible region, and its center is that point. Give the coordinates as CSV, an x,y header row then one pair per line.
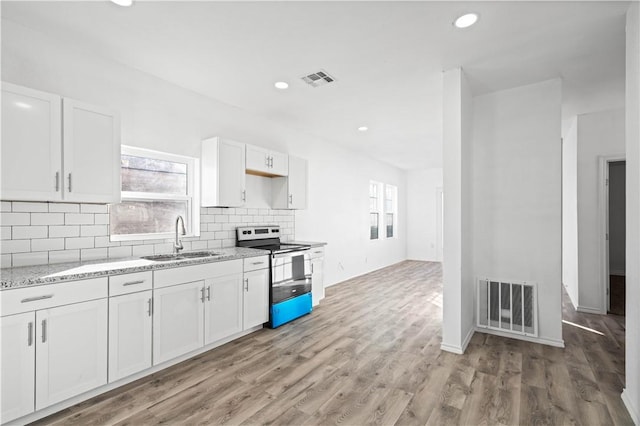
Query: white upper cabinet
x,y
265,162
291,192
223,173
38,140
91,153
31,144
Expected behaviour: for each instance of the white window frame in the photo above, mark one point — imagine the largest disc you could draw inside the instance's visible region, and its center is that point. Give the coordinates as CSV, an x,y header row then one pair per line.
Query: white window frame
x,y
394,210
192,221
379,210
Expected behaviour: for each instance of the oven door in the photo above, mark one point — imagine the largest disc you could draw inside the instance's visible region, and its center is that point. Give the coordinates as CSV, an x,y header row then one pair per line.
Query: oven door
x,y
290,275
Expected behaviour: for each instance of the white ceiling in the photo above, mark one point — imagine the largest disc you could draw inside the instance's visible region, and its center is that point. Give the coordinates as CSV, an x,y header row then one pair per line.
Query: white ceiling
x,y
387,57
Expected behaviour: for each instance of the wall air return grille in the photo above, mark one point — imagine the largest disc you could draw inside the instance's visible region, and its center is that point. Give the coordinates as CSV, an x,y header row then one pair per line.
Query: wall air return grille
x,y
319,78
510,307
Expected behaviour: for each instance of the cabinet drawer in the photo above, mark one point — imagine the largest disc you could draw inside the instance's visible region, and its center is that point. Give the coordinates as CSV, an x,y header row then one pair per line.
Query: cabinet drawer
x,y
317,252
130,283
185,274
47,296
255,263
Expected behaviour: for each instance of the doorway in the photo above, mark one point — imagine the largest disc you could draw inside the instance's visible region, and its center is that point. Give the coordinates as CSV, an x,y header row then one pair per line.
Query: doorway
x,y
615,241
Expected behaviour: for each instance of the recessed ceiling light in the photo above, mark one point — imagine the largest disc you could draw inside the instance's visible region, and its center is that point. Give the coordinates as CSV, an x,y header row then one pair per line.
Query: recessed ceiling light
x,y
363,128
125,3
281,85
467,20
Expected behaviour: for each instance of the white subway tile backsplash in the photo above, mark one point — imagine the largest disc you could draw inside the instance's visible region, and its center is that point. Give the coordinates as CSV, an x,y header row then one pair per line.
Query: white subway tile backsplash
x,y
105,242
94,208
93,253
33,258
79,218
142,250
15,246
64,231
19,206
11,219
28,232
47,244
5,261
101,219
5,233
35,233
63,256
47,218
64,208
119,251
94,230
80,243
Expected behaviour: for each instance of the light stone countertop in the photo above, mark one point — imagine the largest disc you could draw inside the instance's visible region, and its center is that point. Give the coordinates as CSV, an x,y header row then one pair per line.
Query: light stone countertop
x,y
26,276
308,243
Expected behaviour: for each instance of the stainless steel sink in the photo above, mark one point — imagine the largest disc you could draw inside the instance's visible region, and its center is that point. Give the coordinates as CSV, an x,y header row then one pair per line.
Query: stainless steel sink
x,y
179,256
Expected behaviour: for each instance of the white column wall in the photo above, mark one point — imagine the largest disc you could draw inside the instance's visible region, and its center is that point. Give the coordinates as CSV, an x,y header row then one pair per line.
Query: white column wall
x,y
570,211
631,394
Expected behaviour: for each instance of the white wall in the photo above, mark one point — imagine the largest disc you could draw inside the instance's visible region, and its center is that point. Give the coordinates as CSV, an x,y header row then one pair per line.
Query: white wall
x,y
570,210
631,394
422,214
517,194
599,134
458,288
165,117
617,229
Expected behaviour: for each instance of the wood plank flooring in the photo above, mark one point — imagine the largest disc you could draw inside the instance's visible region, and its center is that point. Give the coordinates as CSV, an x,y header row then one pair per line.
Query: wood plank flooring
x,y
370,354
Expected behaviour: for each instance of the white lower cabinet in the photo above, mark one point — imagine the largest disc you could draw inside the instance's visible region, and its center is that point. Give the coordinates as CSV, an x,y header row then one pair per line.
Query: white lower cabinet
x,y
256,298
178,320
71,354
17,376
223,307
130,333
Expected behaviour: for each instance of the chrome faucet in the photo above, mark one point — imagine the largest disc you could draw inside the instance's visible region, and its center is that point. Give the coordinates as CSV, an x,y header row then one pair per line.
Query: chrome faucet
x,y
177,245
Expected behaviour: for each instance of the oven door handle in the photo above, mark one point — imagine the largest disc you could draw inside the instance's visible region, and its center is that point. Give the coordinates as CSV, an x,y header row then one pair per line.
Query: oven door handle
x,y
305,280
292,253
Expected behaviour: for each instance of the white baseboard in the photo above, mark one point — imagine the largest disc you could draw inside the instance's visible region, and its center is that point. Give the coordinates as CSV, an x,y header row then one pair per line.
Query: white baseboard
x,y
589,310
630,408
541,340
458,349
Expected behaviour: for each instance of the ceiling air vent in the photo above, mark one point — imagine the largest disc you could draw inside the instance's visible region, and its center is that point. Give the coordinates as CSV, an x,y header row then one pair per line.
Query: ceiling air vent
x,y
319,78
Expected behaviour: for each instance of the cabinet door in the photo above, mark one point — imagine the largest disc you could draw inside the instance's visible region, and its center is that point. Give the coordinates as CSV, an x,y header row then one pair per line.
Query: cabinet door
x,y
317,279
72,351
297,182
258,159
178,315
31,145
91,153
256,298
231,174
223,307
129,334
18,366
279,164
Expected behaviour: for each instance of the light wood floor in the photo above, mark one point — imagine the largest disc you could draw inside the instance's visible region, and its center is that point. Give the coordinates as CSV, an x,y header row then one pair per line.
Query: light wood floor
x,y
370,354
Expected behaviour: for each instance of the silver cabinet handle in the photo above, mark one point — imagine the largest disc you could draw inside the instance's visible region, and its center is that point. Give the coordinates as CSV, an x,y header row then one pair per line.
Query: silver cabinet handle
x,y
30,334
271,162
209,293
150,306
257,263
312,268
58,181
133,283
317,252
202,298
266,160
290,198
36,298
244,195
69,182
44,330
246,284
